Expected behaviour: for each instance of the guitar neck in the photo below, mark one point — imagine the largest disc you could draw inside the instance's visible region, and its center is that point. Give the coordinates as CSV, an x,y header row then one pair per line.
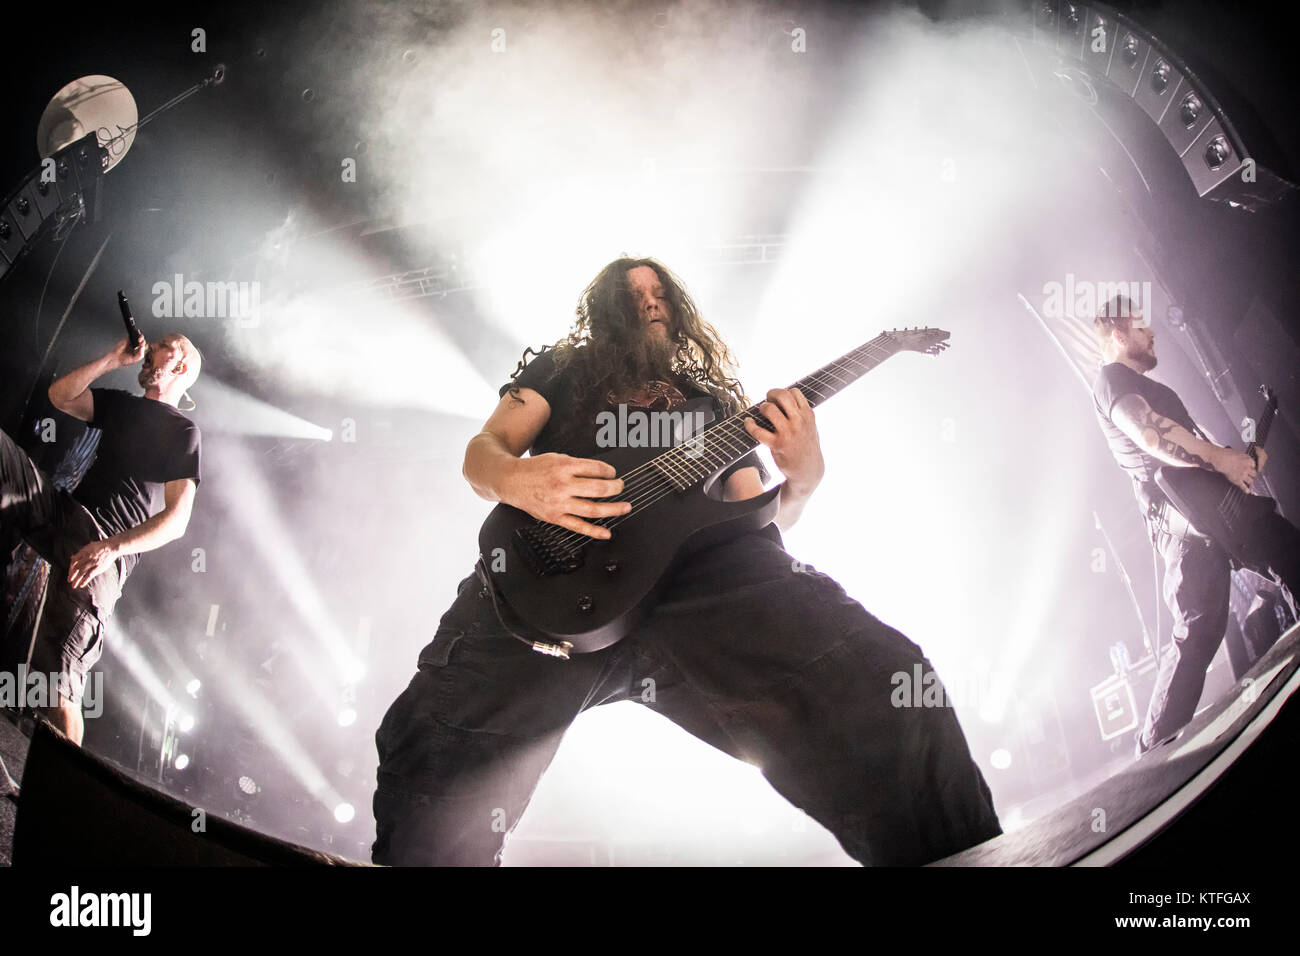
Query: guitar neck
x,y
833,377
1265,423
728,441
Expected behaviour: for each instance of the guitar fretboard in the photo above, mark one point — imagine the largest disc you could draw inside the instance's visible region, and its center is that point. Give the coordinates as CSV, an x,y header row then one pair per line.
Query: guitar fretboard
x,y
727,441
1265,423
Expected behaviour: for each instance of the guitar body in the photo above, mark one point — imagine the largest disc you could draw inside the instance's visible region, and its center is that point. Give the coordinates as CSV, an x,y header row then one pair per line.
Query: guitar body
x,y
1215,506
584,593
616,581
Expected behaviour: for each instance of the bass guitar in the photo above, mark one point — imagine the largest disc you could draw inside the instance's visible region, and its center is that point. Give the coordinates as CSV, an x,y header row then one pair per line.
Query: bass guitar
x,y
1215,506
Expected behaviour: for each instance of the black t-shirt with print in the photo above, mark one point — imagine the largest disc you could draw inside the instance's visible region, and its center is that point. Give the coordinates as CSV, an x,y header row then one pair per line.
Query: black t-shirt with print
x,y
540,375
145,444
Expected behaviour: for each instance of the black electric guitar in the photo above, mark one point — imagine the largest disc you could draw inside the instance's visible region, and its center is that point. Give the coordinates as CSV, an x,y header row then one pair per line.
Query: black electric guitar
x,y
1215,506
580,593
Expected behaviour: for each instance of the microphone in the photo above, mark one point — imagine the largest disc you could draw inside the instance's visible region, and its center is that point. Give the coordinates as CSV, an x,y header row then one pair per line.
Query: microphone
x,y
133,336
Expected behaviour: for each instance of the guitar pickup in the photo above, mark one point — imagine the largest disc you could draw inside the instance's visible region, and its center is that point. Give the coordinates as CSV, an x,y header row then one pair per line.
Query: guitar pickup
x,y
541,557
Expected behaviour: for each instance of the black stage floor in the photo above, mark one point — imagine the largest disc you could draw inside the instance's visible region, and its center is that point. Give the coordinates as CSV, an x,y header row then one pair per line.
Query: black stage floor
x,y
1100,826
1122,812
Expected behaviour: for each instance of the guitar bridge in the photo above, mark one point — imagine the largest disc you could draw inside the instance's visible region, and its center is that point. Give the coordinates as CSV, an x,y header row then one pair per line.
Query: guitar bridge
x,y
543,557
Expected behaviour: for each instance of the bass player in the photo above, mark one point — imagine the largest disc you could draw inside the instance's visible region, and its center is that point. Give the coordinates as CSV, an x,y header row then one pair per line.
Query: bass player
x,y
1147,426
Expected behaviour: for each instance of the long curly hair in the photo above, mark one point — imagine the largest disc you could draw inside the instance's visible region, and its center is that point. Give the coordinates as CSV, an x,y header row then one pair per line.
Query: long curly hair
x,y
600,354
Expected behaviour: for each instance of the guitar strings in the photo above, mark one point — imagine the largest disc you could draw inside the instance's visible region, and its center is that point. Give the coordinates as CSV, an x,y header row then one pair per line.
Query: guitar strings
x,y
647,479
1231,503
646,492
646,482
1233,507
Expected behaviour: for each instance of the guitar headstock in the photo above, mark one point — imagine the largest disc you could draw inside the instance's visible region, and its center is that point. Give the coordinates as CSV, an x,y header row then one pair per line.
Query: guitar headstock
x,y
1270,396
927,341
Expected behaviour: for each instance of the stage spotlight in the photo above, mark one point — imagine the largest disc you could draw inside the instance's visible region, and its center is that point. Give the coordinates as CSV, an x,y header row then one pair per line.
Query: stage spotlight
x,y
1190,111
186,723
1130,49
248,786
1160,77
1000,759
344,813
182,761
352,668
1217,153
192,688
347,717
233,412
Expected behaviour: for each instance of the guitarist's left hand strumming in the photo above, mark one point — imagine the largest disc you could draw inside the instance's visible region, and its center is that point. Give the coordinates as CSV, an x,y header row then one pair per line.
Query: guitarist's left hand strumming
x,y
796,449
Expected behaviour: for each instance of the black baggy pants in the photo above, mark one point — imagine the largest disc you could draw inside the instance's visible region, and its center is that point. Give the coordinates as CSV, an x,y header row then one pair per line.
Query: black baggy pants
x,y
762,657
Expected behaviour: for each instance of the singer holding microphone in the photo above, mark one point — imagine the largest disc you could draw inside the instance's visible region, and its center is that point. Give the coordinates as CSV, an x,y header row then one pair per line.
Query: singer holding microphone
x,y
135,497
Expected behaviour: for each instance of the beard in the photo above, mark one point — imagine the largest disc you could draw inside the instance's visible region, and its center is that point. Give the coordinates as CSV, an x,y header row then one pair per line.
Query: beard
x,y
648,357
614,368
149,377
1146,358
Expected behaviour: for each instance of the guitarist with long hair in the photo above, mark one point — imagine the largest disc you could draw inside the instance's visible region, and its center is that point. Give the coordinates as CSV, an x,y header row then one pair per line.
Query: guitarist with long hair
x,y
746,648
1149,428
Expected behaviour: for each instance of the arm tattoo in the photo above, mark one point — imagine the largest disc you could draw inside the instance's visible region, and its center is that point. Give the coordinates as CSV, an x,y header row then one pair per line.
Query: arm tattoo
x,y
1136,418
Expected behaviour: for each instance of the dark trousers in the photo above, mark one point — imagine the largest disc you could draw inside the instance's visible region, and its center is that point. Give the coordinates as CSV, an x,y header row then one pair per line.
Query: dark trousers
x,y
766,659
70,637
1197,590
